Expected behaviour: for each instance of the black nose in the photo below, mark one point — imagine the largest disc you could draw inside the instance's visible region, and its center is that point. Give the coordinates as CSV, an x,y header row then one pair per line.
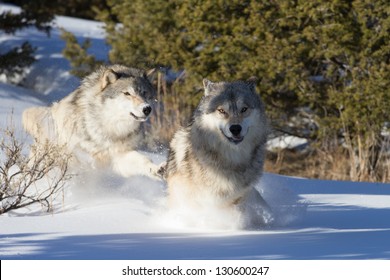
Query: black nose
x,y
235,129
147,110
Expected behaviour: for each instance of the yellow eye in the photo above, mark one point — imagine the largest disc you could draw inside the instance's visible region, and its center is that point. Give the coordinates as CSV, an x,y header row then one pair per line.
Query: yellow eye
x,y
244,109
222,111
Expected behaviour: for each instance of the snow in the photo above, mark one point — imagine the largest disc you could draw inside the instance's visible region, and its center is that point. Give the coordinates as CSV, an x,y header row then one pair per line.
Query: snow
x,y
286,142
102,216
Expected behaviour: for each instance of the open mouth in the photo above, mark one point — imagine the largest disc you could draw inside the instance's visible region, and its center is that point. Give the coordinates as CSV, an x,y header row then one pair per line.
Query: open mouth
x,y
140,119
234,139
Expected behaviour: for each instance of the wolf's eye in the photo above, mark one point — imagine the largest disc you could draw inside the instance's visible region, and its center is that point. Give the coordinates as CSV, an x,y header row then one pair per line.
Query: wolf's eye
x,y
244,109
222,111
126,93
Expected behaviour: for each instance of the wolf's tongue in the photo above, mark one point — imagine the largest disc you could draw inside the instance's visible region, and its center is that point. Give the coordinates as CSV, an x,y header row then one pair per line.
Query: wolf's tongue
x,y
236,139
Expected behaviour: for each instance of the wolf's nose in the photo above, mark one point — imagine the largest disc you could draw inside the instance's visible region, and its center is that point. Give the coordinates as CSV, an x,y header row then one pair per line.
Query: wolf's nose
x,y
147,110
235,129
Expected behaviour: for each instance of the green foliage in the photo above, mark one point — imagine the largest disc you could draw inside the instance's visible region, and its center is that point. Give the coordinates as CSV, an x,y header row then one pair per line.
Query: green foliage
x,y
34,13
73,8
16,60
139,40
82,63
329,56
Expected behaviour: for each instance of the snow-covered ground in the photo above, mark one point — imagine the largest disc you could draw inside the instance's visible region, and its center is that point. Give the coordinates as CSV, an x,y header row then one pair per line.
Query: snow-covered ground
x,y
102,216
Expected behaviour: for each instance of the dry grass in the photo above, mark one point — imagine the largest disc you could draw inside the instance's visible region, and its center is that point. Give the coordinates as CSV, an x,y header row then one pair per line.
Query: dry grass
x,y
325,164
171,111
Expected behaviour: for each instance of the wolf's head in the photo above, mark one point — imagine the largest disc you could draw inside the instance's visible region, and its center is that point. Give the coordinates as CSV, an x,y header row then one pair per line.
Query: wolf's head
x,y
233,110
127,91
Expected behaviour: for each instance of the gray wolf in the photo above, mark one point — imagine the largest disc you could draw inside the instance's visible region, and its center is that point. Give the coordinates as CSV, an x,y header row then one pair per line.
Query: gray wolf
x,y
100,120
218,158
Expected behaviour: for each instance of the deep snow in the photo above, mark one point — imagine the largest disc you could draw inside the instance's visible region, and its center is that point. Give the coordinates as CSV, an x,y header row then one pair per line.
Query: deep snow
x,y
102,216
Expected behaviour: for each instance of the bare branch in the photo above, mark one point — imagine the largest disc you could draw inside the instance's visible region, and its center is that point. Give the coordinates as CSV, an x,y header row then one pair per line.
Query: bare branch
x,y
20,176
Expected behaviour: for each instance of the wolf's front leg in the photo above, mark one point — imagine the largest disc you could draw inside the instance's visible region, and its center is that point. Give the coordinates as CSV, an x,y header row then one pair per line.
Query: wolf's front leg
x,y
134,163
256,210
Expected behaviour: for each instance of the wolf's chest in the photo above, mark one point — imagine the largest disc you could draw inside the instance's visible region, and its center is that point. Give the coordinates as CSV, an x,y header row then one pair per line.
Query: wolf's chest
x,y
226,182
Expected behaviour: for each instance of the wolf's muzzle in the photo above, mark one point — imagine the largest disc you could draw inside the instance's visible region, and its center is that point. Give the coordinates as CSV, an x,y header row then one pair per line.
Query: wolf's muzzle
x,y
235,129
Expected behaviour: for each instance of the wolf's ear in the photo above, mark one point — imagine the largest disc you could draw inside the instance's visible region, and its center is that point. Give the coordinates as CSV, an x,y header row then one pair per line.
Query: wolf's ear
x,y
109,77
252,82
206,83
208,87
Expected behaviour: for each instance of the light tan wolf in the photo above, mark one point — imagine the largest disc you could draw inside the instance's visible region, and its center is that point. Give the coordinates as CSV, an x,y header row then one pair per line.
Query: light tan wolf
x,y
100,120
218,158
